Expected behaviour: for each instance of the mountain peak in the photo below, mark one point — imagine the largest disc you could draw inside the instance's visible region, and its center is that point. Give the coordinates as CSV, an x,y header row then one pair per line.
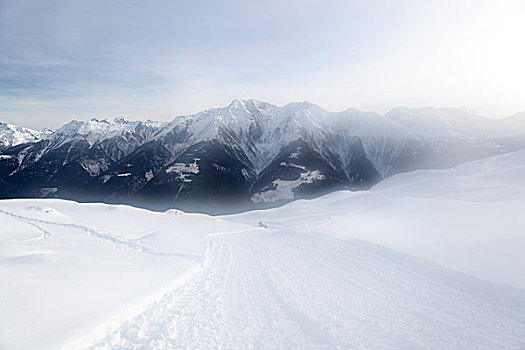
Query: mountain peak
x,y
116,120
120,120
236,103
304,105
12,135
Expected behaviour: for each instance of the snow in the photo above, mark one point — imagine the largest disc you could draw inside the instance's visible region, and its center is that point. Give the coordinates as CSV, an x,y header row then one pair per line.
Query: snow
x,y
261,129
95,131
284,189
270,289
124,175
48,190
293,165
277,126
184,170
428,259
148,175
5,157
95,166
12,135
68,268
467,218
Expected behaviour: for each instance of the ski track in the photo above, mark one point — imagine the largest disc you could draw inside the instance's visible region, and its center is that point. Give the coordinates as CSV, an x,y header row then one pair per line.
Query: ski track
x,y
268,289
45,233
104,236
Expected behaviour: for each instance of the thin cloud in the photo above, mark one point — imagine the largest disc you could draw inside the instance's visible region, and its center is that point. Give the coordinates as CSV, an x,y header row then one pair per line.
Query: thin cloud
x,y
62,59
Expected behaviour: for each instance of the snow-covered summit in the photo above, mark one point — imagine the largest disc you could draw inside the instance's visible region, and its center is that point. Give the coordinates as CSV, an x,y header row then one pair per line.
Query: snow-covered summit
x,y
260,122
12,135
96,130
257,127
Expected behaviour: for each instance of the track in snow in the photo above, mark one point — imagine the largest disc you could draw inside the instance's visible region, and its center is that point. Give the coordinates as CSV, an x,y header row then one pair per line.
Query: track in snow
x,y
273,289
37,223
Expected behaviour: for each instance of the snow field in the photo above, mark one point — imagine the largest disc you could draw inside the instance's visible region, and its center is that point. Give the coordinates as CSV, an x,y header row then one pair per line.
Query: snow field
x,y
429,259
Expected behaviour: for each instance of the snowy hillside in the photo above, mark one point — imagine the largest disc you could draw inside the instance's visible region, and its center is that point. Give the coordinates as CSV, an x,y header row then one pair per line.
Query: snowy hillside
x,y
449,216
12,135
428,259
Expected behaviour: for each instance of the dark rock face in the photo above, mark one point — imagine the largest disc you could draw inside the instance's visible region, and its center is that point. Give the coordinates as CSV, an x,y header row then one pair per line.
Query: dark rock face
x,y
206,175
297,161
247,155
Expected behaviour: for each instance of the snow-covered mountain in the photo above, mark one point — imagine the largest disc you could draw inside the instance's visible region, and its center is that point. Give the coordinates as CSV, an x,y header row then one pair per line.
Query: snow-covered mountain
x,y
12,135
247,153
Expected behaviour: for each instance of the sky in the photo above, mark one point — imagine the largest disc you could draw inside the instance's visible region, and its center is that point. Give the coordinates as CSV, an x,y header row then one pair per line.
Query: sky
x,y
69,59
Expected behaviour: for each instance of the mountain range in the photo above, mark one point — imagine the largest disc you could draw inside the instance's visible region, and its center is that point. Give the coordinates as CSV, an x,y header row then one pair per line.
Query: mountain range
x,y
12,135
246,155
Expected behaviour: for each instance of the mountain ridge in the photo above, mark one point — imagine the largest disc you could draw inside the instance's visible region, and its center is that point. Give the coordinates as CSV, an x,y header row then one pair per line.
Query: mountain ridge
x,y
305,102
13,135
248,154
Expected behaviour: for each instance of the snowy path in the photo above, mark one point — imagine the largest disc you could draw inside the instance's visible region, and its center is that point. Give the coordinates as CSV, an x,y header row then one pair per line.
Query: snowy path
x,y
275,289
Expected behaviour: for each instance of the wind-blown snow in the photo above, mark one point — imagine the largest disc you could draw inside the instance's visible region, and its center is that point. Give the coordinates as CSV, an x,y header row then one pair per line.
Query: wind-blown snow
x,y
410,264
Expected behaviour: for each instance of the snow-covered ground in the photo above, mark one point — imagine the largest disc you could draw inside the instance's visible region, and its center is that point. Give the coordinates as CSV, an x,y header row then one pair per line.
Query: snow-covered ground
x,y
68,268
468,218
429,259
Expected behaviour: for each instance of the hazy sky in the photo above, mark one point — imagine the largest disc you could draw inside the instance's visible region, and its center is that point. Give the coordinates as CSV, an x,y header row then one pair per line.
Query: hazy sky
x,y
66,59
